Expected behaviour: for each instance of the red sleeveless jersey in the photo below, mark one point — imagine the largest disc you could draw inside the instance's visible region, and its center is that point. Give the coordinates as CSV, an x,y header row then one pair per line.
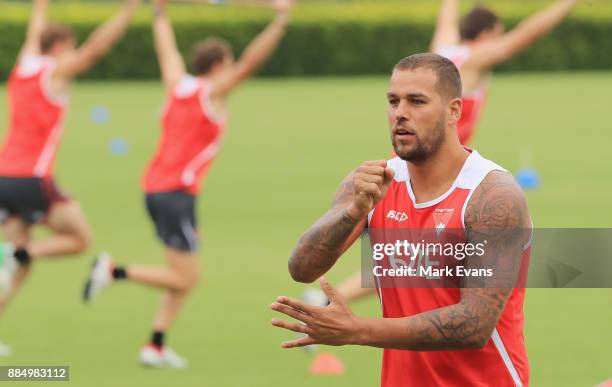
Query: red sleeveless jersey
x,y
503,360
473,102
36,120
190,139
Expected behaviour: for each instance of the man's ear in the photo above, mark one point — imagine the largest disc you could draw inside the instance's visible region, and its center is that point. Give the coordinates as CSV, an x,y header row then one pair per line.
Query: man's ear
x,y
455,107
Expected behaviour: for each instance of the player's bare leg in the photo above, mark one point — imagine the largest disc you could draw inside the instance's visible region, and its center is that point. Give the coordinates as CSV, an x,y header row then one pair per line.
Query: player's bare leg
x,y
71,233
170,305
186,265
177,280
17,233
180,275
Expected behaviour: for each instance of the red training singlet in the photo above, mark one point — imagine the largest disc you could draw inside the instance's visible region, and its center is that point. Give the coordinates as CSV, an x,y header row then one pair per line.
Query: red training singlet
x,y
473,102
503,360
189,141
36,120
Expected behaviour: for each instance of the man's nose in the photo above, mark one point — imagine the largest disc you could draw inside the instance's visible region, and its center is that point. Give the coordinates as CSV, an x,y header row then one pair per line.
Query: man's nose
x,y
402,112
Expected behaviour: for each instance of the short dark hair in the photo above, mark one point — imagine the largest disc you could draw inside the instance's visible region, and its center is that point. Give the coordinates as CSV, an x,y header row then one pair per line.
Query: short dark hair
x,y
206,54
478,20
449,80
54,33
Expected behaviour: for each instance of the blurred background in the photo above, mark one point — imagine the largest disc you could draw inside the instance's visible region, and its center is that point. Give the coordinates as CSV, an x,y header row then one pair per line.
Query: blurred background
x,y
316,111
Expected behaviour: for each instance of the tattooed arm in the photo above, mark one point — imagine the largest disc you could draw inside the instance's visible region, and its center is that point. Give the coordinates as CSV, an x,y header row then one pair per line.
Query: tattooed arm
x,y
320,247
496,213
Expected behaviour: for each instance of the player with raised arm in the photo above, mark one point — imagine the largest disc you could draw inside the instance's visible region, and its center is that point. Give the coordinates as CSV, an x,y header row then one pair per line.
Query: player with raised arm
x,y
432,336
192,125
478,42
38,90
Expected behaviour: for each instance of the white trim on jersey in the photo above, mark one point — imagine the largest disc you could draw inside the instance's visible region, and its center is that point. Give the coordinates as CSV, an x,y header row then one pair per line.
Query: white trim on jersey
x,y
370,214
45,87
431,202
465,204
475,169
474,175
439,199
499,344
207,107
31,65
44,160
207,154
458,53
187,86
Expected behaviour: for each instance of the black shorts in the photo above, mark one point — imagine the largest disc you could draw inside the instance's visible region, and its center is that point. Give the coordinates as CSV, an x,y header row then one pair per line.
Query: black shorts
x,y
28,198
173,214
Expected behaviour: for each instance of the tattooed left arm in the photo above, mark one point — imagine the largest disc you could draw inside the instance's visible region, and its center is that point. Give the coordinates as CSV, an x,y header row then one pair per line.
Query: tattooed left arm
x,y
496,213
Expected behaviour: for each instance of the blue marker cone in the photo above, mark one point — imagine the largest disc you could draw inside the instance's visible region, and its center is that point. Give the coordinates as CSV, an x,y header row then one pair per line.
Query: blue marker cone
x,y
100,115
118,146
528,178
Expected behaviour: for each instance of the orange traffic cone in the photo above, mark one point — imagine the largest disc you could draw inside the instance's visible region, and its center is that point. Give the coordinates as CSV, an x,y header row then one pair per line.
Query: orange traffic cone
x,y
326,363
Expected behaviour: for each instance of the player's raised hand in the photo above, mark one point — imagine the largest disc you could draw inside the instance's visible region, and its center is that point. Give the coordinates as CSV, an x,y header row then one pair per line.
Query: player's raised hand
x,y
283,6
160,3
132,3
334,324
367,185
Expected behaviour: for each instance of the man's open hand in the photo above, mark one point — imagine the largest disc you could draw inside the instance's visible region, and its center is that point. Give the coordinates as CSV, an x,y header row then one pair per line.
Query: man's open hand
x,y
334,324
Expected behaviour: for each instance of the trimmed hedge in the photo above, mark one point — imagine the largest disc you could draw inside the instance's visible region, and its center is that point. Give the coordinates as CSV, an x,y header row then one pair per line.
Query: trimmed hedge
x,y
324,39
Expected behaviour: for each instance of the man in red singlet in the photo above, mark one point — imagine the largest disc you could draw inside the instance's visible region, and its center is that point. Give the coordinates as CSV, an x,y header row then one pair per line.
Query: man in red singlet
x,y
466,335
475,44
38,90
192,126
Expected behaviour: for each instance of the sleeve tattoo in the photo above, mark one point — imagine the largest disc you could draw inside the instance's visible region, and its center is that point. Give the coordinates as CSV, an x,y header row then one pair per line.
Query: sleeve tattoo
x,y
497,214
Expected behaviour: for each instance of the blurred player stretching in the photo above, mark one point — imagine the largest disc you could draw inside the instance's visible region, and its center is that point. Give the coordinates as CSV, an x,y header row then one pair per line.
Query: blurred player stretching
x,y
192,126
38,89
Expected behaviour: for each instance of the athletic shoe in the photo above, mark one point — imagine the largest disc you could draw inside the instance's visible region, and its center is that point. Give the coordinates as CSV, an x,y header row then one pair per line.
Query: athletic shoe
x,y
5,350
8,267
152,356
100,276
316,297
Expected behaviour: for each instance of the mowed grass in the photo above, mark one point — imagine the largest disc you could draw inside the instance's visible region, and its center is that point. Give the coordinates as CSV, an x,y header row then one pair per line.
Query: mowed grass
x,y
288,144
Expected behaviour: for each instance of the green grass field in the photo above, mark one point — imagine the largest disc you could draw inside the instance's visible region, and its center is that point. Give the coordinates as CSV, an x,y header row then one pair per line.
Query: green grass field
x,y
288,144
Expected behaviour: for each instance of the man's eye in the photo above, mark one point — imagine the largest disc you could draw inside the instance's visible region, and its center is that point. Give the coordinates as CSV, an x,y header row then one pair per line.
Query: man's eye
x,y
394,102
418,102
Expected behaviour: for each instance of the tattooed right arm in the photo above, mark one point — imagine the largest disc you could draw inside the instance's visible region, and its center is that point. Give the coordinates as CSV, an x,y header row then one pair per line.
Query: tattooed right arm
x,y
325,241
321,246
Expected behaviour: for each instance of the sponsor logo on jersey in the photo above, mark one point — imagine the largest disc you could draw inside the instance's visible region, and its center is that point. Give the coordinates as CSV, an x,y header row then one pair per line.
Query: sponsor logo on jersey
x,y
397,215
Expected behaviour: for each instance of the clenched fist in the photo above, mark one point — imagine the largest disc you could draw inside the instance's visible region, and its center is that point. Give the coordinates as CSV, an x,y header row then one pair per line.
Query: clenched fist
x,y
366,186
